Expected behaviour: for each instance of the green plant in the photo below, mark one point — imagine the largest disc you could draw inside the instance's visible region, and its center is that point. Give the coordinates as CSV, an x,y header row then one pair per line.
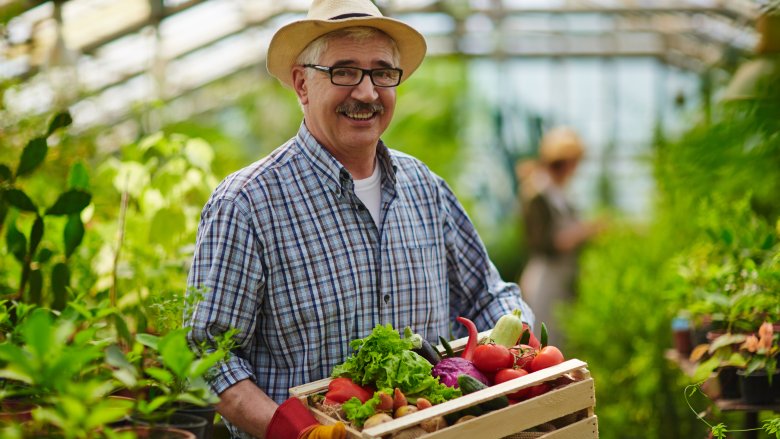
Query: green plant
x,y
165,373
55,361
21,211
719,430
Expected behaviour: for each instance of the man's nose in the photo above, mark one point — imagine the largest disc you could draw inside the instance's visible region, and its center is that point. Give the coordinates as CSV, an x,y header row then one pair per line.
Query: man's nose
x,y
365,90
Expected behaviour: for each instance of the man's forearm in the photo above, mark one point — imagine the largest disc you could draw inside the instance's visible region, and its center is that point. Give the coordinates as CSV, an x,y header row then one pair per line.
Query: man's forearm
x,y
247,407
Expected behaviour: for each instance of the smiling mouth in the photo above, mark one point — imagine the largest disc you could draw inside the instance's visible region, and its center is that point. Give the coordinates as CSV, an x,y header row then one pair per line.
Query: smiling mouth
x,y
361,111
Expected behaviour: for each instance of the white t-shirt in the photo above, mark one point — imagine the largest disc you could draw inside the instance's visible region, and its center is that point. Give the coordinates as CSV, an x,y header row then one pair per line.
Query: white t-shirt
x,y
369,192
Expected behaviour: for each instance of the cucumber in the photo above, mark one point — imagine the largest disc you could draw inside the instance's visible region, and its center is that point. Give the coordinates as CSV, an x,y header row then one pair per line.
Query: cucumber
x,y
469,384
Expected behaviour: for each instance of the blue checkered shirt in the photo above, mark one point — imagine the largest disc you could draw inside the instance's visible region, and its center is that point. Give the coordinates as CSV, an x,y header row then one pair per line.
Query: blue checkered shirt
x,y
291,258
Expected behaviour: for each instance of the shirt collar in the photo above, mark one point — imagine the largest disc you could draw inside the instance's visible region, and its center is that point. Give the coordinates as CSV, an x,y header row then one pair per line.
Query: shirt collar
x,y
331,171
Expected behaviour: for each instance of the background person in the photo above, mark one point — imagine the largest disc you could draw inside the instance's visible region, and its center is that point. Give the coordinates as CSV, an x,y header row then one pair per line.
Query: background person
x,y
333,233
554,232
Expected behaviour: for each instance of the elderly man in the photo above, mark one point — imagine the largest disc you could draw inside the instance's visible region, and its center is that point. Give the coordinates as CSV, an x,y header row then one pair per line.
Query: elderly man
x,y
333,233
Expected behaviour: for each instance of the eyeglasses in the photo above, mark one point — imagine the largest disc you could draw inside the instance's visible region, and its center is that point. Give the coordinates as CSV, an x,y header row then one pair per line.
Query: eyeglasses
x,y
348,76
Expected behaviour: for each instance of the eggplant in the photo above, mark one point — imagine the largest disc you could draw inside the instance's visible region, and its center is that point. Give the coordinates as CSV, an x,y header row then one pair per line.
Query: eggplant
x,y
428,352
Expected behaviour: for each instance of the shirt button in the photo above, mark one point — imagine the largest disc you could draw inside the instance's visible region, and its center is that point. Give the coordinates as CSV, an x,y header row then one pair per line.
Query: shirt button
x,y
387,298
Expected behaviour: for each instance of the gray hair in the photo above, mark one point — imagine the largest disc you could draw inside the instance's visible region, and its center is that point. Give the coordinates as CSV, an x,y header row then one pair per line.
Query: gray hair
x,y
312,53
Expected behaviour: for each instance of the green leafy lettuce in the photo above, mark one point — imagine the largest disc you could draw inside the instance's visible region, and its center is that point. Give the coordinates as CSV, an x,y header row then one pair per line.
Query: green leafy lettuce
x,y
385,360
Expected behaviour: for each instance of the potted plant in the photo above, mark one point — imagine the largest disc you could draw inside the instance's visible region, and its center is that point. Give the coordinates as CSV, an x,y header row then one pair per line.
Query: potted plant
x,y
168,382
760,373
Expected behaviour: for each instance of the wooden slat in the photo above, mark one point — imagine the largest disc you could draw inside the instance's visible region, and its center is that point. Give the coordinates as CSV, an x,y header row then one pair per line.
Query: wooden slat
x,y
583,429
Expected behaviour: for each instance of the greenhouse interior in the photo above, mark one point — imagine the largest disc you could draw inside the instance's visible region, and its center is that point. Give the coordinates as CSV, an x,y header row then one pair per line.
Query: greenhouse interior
x,y
653,264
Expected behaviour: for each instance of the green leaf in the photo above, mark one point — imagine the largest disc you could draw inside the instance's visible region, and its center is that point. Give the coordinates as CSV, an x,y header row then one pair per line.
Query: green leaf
x,y
176,354
705,369
5,173
204,364
159,375
73,234
16,242
60,120
60,282
167,225
38,332
148,340
20,200
78,177
726,340
32,156
44,255
199,153
121,328
70,202
35,286
36,234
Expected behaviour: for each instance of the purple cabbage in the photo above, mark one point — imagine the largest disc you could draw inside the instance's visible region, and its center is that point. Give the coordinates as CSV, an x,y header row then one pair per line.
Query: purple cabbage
x,y
448,370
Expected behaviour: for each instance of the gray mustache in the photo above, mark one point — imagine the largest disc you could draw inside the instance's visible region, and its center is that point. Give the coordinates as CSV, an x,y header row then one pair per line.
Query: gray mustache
x,y
358,107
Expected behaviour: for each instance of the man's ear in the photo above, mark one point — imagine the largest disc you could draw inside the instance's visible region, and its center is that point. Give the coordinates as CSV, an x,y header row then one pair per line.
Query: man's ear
x,y
300,85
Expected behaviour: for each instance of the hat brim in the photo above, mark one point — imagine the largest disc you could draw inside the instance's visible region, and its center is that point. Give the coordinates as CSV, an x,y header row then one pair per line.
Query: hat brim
x,y
290,40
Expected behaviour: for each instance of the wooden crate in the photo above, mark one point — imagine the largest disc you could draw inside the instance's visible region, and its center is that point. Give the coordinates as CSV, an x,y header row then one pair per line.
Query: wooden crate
x,y
570,409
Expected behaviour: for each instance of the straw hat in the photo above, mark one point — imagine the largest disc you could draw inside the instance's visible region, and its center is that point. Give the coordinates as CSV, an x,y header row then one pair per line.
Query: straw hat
x,y
561,143
329,15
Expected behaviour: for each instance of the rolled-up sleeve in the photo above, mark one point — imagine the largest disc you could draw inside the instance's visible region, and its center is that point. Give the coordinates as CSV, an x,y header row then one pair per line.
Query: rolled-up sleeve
x,y
476,288
227,270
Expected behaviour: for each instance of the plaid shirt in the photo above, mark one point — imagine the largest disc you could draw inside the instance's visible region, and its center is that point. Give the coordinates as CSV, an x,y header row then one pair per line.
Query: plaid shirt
x,y
291,258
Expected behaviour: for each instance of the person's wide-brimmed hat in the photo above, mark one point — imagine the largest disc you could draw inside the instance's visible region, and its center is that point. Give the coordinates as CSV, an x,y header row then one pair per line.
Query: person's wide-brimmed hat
x,y
561,143
329,15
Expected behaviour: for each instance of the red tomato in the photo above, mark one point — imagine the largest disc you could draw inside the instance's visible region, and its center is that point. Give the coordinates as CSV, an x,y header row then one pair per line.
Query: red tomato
x,y
546,357
489,358
505,375
523,355
537,390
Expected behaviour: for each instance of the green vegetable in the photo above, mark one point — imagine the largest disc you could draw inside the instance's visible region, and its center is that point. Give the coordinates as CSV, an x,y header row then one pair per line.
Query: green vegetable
x,y
508,329
384,360
469,384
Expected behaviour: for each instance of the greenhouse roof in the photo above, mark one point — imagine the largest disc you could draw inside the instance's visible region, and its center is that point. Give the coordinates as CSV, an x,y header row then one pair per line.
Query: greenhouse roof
x,y
101,56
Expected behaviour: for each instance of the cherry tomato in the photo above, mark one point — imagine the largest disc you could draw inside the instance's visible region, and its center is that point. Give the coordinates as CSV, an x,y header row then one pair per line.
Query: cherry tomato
x,y
505,375
489,358
546,357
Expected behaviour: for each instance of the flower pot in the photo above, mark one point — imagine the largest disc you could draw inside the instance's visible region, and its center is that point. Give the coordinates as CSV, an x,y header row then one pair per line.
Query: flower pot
x,y
756,388
181,421
683,337
148,432
729,382
16,411
208,413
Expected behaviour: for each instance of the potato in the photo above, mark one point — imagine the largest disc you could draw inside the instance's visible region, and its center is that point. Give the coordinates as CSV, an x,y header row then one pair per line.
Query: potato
x,y
409,433
433,424
379,418
464,419
405,410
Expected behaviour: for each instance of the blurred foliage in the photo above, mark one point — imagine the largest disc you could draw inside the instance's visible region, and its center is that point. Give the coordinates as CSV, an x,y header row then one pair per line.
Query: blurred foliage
x,y
713,232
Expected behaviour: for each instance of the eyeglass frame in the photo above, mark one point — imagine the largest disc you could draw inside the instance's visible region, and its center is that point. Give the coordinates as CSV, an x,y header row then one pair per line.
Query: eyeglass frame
x,y
363,72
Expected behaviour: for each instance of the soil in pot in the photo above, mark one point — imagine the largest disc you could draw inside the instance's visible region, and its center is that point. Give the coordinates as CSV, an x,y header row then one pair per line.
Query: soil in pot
x,y
756,388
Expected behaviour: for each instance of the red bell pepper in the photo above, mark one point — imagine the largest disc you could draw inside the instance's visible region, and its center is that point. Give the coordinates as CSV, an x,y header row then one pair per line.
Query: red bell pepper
x,y
471,344
341,390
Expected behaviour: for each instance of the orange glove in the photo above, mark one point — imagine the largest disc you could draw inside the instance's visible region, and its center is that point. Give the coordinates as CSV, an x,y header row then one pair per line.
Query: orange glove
x,y
333,431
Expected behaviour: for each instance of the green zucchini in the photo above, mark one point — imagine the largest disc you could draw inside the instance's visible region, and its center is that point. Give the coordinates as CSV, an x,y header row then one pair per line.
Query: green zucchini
x,y
508,329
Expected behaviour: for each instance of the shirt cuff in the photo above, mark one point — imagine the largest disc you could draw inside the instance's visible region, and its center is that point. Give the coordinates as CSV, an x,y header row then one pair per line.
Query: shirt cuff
x,y
229,373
